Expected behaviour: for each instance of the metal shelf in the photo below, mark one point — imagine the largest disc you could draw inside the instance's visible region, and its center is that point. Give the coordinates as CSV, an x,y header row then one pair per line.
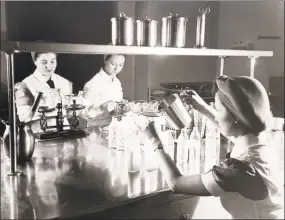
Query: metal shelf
x,y
17,46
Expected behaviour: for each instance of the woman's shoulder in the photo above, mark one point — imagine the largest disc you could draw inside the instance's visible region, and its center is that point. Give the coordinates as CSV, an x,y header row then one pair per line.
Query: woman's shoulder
x,y
235,175
29,78
31,82
95,81
61,79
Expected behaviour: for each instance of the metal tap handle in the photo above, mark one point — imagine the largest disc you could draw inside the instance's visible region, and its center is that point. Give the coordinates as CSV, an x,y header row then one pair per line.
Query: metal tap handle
x,y
122,14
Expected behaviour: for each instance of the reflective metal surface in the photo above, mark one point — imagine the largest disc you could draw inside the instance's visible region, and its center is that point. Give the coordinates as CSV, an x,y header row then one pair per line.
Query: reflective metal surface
x,y
66,178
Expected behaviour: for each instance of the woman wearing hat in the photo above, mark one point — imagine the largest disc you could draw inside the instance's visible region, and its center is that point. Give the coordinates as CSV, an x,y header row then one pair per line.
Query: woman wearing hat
x,y
246,181
104,90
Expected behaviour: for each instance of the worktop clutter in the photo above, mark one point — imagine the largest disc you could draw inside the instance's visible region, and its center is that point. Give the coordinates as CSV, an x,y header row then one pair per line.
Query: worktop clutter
x,y
194,148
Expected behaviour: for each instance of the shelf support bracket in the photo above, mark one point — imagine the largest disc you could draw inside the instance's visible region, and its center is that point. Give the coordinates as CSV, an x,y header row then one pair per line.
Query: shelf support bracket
x,y
252,66
12,114
222,64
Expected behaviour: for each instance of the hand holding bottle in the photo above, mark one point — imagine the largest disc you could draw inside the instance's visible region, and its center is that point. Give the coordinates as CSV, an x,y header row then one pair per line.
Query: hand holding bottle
x,y
109,106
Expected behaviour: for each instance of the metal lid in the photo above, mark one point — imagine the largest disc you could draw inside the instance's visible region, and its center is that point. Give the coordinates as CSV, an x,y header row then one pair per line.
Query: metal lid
x,y
122,16
173,15
146,19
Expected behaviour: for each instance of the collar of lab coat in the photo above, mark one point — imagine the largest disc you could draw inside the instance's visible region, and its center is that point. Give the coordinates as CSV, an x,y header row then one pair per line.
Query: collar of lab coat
x,y
41,78
109,78
243,143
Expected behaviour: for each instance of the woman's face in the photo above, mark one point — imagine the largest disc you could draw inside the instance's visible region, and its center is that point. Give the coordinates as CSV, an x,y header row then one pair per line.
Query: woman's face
x,y
114,64
224,118
46,63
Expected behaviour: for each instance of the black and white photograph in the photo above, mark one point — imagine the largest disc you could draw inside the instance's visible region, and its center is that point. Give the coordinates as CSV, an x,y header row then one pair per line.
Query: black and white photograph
x,y
142,109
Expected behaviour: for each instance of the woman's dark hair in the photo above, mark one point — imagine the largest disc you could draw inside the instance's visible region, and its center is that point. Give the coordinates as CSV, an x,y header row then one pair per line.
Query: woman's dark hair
x,y
35,55
107,57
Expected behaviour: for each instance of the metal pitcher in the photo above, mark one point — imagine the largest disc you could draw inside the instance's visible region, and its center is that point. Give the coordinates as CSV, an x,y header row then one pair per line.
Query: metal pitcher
x,y
25,137
122,30
25,141
175,112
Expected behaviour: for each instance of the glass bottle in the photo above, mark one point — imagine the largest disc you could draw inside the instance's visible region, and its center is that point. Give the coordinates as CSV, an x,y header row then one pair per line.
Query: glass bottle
x,y
169,147
194,151
112,137
57,98
182,149
79,98
120,139
212,145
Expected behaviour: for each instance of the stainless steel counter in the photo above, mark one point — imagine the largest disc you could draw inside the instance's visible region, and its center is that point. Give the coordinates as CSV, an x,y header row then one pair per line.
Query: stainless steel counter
x,y
72,177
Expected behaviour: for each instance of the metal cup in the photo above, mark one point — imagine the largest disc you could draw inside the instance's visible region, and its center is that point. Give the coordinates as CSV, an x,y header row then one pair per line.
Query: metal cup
x,y
175,112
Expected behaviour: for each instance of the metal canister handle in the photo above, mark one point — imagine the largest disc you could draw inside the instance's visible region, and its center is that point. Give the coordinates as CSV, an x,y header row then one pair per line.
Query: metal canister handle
x,y
122,15
205,10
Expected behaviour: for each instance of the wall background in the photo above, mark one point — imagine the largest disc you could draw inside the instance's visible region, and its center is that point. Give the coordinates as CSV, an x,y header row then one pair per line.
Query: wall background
x,y
244,22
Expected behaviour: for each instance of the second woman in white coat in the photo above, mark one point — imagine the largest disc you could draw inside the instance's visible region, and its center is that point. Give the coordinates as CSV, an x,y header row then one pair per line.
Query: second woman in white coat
x,y
104,90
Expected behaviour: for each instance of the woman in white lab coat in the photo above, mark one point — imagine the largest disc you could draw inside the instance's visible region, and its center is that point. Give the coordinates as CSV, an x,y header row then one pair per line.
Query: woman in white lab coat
x,y
45,80
104,91
247,181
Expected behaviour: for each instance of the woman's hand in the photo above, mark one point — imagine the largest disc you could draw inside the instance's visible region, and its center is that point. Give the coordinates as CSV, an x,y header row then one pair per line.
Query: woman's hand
x,y
109,106
124,101
153,132
196,101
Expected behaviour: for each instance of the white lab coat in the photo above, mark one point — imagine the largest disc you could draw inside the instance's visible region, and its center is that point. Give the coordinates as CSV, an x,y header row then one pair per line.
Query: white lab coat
x,y
100,89
37,83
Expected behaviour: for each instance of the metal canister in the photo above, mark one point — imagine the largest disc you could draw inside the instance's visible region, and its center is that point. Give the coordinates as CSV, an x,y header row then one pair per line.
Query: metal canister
x,y
122,30
173,31
166,31
175,112
180,34
146,32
